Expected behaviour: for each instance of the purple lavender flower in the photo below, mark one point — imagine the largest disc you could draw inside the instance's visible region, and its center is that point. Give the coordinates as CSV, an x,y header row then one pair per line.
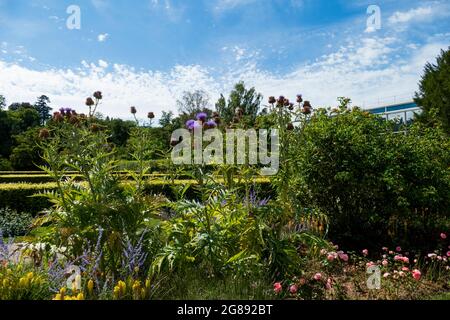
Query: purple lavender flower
x,y
202,116
134,256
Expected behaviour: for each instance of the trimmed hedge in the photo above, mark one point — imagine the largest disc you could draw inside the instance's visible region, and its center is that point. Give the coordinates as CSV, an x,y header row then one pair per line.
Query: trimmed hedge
x,y
19,196
44,178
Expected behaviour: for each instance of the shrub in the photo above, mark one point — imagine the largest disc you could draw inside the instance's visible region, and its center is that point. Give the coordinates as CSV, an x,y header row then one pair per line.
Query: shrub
x,y
13,223
376,186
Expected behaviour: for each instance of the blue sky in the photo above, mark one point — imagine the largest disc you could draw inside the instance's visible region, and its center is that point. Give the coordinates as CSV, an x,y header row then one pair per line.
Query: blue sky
x,y
147,52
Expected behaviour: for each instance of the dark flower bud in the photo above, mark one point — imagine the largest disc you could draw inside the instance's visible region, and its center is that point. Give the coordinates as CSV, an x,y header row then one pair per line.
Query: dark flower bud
x,y
280,101
291,106
58,117
44,134
151,115
217,120
299,98
307,104
290,126
98,95
73,119
90,102
215,114
286,102
133,110
272,100
95,127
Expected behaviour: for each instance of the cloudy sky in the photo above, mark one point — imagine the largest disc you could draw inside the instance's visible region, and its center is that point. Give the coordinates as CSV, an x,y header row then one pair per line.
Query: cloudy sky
x,y
147,52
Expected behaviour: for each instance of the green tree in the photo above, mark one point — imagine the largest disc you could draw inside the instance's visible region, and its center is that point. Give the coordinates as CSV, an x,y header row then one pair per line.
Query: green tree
x,y
43,108
25,154
434,92
247,100
2,102
193,102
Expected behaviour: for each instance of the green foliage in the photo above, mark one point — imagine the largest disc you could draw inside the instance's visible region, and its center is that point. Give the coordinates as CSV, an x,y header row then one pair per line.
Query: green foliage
x,y
434,92
19,196
376,186
248,100
43,109
25,154
13,223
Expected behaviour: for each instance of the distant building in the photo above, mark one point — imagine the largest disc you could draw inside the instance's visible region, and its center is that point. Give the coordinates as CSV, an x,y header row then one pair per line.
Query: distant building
x,y
403,111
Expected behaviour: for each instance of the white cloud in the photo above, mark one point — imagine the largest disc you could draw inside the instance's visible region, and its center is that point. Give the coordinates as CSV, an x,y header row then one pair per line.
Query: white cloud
x,y
221,6
102,37
420,14
358,70
102,63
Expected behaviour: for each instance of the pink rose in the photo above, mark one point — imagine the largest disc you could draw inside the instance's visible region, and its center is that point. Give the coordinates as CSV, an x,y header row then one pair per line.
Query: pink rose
x,y
365,252
323,252
398,249
416,274
277,287
318,276
405,260
330,257
398,258
293,289
448,254
385,249
343,256
443,236
385,263
405,269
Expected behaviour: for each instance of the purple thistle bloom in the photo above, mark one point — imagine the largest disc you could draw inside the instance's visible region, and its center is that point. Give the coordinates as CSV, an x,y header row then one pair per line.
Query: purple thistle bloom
x,y
202,116
190,124
62,111
68,110
211,124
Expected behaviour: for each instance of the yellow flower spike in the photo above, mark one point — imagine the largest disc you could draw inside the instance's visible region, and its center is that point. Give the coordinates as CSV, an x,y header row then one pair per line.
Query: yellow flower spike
x,y
90,286
116,292
30,275
62,292
147,283
58,297
80,297
122,287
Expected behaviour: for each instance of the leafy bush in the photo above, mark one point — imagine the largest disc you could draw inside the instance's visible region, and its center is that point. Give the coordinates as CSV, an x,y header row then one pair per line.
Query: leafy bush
x,y
13,223
377,186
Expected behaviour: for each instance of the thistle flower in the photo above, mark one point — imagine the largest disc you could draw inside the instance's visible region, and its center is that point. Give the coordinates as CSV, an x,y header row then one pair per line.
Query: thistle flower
x,y
291,106
151,115
90,102
299,98
202,116
190,124
272,100
44,134
210,124
280,101
98,95
133,110
286,102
